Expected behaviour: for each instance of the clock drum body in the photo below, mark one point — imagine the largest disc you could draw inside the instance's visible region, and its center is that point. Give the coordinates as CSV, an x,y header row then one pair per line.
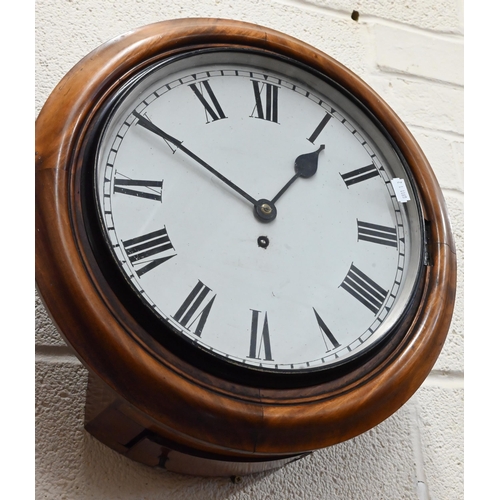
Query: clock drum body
x,y
242,243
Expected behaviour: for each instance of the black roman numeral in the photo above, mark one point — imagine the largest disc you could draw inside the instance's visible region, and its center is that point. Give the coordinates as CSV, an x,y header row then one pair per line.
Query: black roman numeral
x,y
319,128
265,341
140,249
326,331
374,233
150,190
213,110
266,101
196,308
364,289
360,175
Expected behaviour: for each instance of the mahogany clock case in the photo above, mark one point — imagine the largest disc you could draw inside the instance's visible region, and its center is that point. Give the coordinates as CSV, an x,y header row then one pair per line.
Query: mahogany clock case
x,y
187,395
195,353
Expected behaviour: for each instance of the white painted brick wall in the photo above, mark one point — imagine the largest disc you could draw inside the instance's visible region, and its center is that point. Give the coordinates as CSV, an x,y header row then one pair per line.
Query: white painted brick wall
x,y
418,53
411,53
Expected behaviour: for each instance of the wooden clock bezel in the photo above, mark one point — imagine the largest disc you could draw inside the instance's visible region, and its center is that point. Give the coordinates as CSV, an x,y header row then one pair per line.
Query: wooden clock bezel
x,y
189,407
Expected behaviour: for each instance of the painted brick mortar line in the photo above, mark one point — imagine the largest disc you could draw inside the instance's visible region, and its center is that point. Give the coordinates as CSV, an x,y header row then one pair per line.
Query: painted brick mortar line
x,y
420,478
320,9
411,77
447,134
438,35
51,354
436,131
370,19
445,380
456,192
386,70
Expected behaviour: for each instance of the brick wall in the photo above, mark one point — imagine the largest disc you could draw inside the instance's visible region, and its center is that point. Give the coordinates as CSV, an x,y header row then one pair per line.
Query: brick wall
x,y
411,53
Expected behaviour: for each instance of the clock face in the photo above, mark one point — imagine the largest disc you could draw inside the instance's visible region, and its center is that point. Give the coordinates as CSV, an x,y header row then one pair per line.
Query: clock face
x,y
257,211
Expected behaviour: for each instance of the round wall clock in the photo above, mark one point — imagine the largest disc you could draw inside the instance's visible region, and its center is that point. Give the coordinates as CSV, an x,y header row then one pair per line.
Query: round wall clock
x,y
242,243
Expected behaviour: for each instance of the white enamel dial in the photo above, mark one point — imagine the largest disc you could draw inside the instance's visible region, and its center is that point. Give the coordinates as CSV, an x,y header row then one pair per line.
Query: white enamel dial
x,y
249,204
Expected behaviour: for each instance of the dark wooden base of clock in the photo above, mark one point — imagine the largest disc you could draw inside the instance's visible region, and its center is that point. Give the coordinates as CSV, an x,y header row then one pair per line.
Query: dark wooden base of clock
x,y
110,420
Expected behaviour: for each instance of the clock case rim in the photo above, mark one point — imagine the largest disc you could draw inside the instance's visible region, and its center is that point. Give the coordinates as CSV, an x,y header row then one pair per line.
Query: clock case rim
x,y
197,406
192,352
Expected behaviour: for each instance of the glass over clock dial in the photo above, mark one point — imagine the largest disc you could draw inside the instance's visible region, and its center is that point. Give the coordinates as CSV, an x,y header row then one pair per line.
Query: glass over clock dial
x,y
257,211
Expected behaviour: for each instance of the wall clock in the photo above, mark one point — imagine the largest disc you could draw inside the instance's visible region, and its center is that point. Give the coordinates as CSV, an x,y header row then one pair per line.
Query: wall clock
x,y
242,243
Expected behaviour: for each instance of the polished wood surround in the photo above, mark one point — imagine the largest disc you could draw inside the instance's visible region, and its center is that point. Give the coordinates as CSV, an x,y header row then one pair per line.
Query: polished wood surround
x,y
135,382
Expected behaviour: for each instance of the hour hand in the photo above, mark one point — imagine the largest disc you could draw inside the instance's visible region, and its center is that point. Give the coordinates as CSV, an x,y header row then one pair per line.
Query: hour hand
x,y
305,166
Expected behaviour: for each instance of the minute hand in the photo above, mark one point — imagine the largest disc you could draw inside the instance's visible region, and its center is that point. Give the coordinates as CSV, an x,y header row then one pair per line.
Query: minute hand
x,y
144,122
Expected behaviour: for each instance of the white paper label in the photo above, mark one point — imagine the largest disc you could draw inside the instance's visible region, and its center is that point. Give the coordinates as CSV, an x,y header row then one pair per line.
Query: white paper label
x,y
400,190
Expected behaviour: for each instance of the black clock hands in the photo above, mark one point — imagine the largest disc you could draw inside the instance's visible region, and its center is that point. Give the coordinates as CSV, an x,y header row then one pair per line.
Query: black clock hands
x,y
147,124
306,166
